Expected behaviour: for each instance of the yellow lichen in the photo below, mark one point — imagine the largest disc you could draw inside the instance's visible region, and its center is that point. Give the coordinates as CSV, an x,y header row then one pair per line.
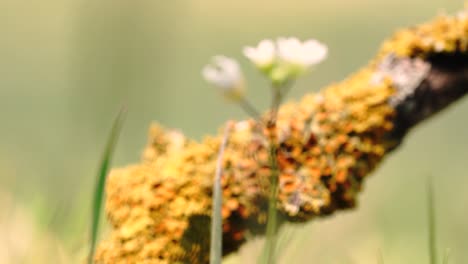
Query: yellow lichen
x,y
445,34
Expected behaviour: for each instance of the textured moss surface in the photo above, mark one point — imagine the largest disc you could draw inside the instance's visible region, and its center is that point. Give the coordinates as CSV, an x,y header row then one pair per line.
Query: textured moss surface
x,y
328,143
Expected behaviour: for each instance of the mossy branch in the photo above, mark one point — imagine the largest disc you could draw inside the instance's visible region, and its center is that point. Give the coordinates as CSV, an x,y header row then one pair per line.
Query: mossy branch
x,y
329,143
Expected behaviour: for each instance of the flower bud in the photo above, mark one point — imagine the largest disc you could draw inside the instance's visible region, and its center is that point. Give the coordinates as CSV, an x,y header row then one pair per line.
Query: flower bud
x,y
225,74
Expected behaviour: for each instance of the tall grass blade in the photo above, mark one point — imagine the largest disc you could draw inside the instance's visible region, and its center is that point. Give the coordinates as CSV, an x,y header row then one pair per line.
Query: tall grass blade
x,y
432,223
101,181
216,242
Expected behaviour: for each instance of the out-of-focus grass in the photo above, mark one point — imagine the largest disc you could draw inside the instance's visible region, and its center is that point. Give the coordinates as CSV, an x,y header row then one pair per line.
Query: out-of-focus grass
x,y
431,216
66,65
216,241
24,241
446,256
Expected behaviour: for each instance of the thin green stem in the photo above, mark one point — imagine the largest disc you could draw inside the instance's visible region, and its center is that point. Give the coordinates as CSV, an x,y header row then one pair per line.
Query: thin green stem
x,y
101,181
216,245
286,88
279,92
268,256
275,105
250,109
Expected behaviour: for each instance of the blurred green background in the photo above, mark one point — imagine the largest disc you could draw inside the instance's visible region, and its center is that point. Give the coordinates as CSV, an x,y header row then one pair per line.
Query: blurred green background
x,y
67,66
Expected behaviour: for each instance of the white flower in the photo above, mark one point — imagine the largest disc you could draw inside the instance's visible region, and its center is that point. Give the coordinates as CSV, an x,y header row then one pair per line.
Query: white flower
x,y
225,73
295,58
302,55
263,56
289,49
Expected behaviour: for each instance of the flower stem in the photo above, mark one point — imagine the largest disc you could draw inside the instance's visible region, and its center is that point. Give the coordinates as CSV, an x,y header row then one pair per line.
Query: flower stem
x,y
286,88
268,255
250,109
272,224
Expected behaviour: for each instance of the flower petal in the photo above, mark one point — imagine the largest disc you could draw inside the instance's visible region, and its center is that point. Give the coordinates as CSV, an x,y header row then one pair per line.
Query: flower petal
x,y
263,55
225,74
314,52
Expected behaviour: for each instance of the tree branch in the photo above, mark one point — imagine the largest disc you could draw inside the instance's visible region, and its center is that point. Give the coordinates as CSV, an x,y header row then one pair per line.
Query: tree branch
x,y
328,144
443,80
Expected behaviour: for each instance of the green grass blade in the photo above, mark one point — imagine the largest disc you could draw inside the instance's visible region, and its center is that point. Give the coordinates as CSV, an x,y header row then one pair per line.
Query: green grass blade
x,y
101,181
216,242
432,223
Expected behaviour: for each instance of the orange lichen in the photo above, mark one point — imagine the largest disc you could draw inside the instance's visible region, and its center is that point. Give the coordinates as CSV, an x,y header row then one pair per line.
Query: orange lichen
x,y
328,143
